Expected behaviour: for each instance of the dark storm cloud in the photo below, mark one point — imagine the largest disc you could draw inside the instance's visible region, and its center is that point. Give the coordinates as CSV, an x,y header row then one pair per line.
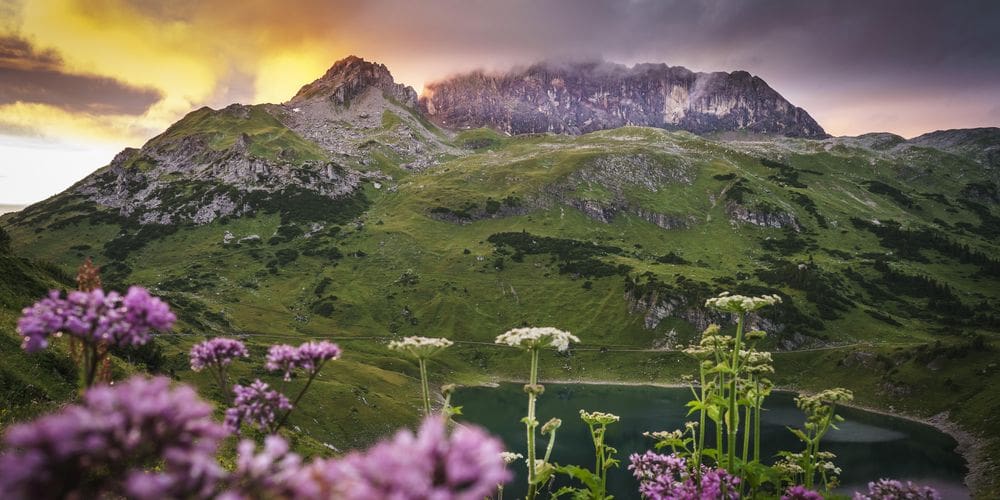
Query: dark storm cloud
x,y
31,75
939,41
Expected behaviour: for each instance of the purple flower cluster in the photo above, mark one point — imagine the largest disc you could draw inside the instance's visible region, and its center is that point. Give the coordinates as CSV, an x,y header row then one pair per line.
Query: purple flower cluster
x,y
465,465
664,477
96,445
255,404
891,489
275,472
219,351
312,355
799,492
95,317
309,357
147,440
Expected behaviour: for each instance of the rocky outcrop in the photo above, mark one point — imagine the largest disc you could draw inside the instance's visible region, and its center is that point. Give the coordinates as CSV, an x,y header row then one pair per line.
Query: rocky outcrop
x,y
351,77
584,97
655,309
762,217
358,113
189,179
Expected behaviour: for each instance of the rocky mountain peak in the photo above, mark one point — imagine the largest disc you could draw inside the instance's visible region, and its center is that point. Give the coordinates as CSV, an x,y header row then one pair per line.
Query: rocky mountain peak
x,y
351,77
583,97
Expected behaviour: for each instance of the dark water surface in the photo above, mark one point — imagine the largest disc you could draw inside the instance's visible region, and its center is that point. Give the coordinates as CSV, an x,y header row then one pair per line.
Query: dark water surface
x,y
868,445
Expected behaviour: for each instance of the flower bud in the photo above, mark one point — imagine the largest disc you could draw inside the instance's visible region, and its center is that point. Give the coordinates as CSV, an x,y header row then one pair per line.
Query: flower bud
x,y
536,389
551,425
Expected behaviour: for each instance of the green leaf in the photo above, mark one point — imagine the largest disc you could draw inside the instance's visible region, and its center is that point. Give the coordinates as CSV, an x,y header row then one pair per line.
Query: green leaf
x,y
591,480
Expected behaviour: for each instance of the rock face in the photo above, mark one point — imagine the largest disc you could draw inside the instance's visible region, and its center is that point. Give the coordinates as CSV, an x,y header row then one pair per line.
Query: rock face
x,y
584,97
185,175
351,77
357,110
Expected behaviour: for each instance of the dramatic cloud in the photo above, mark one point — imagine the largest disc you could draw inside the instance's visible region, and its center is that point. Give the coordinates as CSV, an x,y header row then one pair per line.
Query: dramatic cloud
x,y
121,70
825,55
31,76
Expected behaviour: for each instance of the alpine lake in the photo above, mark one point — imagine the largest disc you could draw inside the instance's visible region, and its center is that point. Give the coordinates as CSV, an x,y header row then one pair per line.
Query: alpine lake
x,y
868,445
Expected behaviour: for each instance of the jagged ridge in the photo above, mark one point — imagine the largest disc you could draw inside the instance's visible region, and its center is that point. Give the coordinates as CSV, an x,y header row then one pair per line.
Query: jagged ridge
x,y
584,97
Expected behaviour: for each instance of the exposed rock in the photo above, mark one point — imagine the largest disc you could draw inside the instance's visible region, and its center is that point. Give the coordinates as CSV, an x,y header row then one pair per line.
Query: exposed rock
x,y
344,113
655,309
764,218
349,78
584,97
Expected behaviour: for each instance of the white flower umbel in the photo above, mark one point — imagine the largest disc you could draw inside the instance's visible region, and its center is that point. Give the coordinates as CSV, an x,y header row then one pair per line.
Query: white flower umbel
x,y
741,303
422,348
510,457
536,338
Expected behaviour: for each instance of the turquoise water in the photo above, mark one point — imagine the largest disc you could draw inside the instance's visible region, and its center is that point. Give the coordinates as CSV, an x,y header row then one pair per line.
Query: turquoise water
x,y
868,445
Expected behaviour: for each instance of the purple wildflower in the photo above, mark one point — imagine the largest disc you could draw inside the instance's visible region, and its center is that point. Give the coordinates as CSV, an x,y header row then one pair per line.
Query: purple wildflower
x,y
219,351
312,355
145,311
95,317
282,357
799,492
41,320
891,489
275,472
256,405
309,357
431,464
114,430
664,477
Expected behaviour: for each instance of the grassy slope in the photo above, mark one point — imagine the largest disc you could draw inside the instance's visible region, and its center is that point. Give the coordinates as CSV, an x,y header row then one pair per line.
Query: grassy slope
x,y
29,385
460,293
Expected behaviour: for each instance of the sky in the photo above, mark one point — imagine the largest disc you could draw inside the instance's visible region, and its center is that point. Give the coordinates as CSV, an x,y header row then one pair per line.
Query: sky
x,y
82,79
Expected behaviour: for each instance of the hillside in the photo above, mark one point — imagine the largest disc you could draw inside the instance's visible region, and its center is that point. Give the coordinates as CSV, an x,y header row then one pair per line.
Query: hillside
x,y
355,218
28,385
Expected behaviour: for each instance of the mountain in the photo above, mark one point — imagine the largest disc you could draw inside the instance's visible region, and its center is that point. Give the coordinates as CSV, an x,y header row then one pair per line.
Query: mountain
x,y
585,97
344,213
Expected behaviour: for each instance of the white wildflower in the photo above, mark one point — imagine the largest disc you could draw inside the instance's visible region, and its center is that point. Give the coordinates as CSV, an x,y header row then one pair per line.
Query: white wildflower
x,y
664,435
598,417
420,347
535,338
510,457
741,303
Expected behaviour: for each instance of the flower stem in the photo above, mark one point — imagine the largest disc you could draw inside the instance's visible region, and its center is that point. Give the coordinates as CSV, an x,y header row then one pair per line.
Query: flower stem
x,y
552,444
424,387
530,425
91,358
732,417
758,401
298,398
701,422
746,434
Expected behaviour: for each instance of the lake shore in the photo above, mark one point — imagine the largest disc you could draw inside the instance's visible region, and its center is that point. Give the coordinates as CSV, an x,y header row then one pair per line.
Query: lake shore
x,y
971,447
